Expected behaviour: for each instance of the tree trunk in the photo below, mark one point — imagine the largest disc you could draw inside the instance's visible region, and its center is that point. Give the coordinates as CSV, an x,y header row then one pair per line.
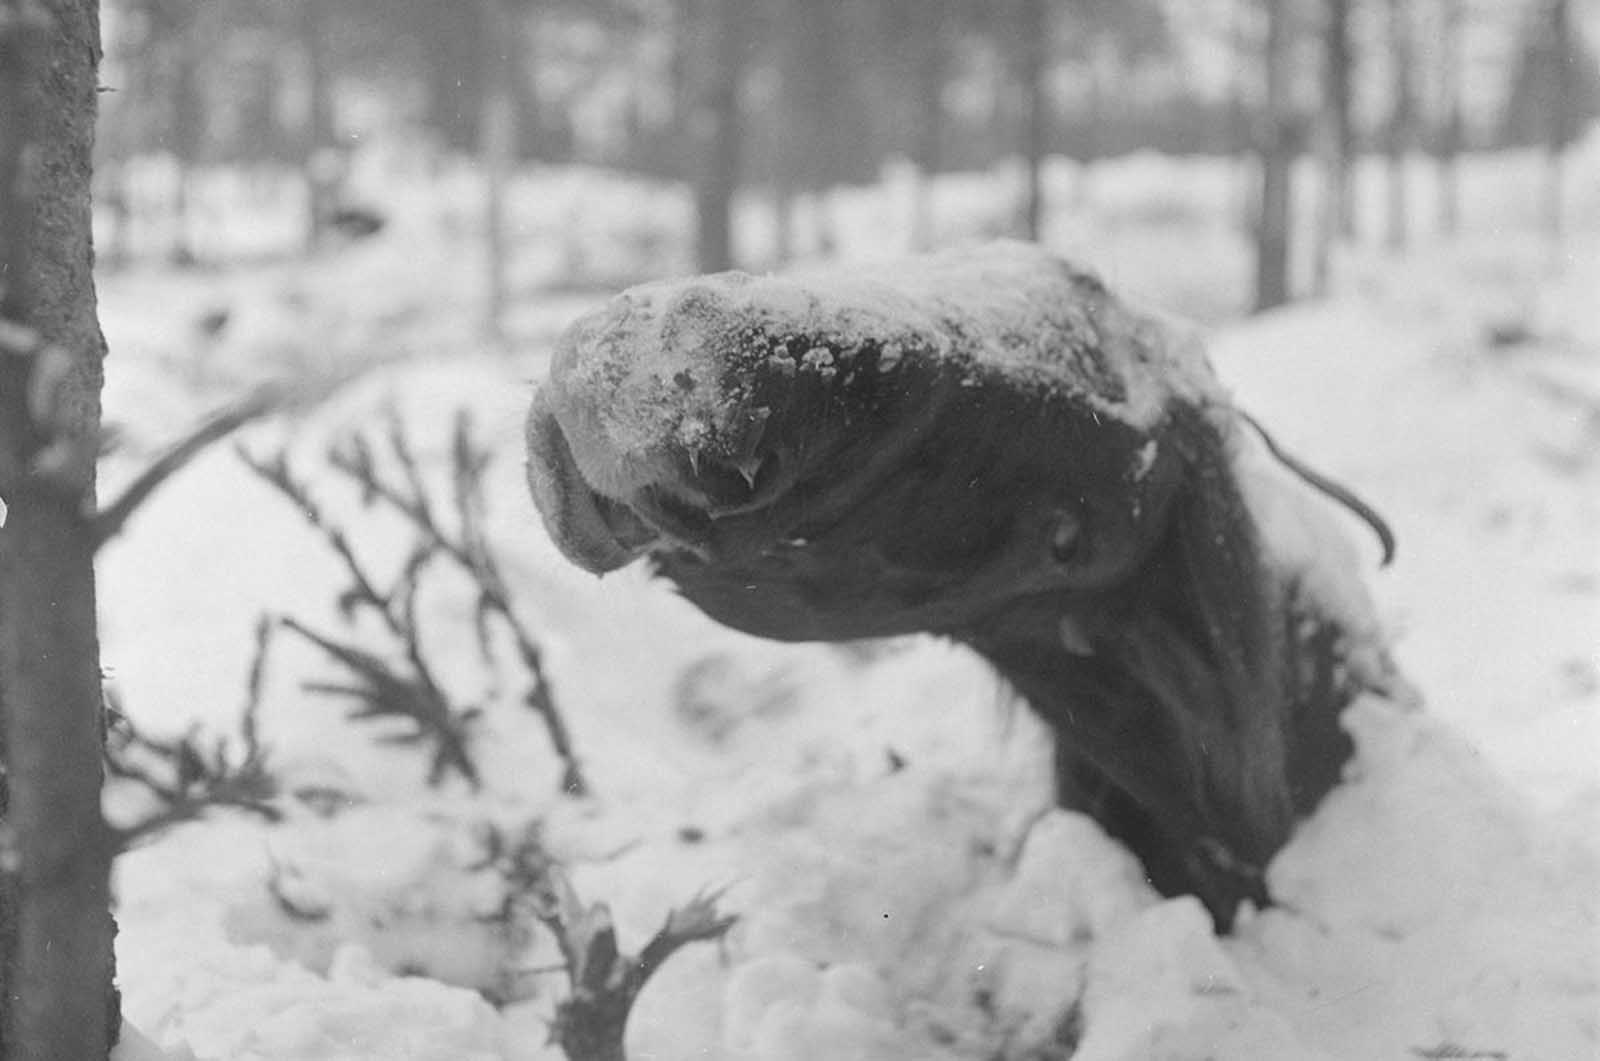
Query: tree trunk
x,y
188,118
1334,141
451,38
811,76
497,145
1401,121
717,122
1449,143
1240,122
1564,62
57,968
1339,55
320,175
783,205
1340,52
1277,167
927,21
522,57
1103,60
793,149
1034,46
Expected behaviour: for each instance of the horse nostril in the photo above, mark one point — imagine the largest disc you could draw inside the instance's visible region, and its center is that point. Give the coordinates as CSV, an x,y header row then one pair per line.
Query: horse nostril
x,y
1066,538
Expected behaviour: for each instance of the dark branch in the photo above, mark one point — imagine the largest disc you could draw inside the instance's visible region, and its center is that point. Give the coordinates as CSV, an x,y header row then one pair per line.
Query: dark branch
x,y
212,429
469,549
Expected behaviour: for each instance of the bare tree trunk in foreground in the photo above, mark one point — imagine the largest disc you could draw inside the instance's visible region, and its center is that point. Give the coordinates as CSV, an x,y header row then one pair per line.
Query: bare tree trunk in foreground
x,y
57,967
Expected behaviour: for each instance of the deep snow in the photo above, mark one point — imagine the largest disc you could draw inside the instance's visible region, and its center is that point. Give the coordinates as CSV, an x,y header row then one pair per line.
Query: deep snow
x,y
880,818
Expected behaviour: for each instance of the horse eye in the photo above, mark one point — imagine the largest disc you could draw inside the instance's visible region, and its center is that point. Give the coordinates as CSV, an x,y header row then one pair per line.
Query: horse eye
x,y
1066,540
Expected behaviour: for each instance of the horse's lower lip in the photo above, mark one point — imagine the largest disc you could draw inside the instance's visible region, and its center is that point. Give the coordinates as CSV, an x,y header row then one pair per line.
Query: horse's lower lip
x,y
672,518
630,532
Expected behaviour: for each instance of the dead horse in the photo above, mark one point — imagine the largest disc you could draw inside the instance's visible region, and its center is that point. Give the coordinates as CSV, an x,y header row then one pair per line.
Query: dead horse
x,y
987,445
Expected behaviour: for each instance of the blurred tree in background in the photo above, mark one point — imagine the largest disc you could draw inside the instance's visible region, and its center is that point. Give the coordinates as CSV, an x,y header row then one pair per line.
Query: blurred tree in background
x,y
792,99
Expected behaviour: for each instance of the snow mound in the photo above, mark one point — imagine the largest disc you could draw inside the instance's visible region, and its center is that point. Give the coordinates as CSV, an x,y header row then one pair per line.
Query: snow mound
x,y
1309,550
219,1000
419,892
1425,910
1426,906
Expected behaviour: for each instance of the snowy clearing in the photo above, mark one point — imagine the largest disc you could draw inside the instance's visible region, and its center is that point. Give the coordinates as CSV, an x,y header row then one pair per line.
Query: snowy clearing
x,y
880,819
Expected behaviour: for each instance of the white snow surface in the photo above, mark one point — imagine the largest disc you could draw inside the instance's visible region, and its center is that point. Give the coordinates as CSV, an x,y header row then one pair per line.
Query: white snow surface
x,y
878,817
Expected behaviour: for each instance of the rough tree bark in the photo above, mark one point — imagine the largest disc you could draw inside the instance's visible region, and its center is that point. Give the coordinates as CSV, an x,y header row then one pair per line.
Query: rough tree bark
x,y
59,999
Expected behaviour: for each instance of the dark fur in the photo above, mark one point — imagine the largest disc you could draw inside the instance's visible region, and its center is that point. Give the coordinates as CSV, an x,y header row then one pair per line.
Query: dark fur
x,y
1197,702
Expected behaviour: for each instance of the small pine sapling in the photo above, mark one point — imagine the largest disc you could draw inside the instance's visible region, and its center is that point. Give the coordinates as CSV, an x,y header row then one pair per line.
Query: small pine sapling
x,y
382,688
603,983
391,477
188,778
468,548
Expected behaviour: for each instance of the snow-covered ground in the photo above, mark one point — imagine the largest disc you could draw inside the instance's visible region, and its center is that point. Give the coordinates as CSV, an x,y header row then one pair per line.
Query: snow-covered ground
x,y
880,819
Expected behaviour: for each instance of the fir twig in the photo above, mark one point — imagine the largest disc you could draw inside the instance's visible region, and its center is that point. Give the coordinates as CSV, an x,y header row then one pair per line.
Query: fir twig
x,y
468,548
382,689
221,423
604,983
188,778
